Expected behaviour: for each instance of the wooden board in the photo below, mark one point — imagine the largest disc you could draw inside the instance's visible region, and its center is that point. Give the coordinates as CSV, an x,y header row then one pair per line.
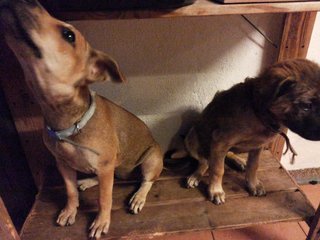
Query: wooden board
x,y
25,112
7,230
199,8
172,208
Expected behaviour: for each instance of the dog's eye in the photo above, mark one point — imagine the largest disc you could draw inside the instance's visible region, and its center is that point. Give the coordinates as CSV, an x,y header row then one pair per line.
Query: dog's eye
x,y
68,35
306,106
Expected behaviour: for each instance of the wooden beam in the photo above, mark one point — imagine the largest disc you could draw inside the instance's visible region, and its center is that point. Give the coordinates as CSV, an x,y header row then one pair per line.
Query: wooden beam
x,y
7,229
25,113
294,44
79,11
315,227
296,35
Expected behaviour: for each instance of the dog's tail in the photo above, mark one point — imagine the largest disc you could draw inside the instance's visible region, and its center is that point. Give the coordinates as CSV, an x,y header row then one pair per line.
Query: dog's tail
x,y
178,160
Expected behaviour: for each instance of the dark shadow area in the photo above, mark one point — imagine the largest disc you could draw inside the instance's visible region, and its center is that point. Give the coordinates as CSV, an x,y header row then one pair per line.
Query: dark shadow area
x,y
16,184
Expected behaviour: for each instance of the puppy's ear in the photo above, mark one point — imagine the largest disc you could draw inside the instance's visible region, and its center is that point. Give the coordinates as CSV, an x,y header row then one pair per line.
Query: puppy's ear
x,y
284,87
102,67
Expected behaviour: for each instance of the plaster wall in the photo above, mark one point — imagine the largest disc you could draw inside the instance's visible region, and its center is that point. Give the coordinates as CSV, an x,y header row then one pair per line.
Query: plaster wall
x,y
175,66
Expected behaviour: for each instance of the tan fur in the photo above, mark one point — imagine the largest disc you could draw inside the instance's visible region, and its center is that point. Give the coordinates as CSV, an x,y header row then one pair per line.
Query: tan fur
x,y
59,79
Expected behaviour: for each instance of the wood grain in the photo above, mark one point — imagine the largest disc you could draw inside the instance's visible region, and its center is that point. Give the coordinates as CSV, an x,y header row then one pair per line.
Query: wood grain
x,y
25,112
172,208
7,229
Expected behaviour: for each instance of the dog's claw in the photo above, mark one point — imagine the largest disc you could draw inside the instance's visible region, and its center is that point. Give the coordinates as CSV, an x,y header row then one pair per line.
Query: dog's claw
x,y
99,226
217,197
137,202
256,190
67,217
193,181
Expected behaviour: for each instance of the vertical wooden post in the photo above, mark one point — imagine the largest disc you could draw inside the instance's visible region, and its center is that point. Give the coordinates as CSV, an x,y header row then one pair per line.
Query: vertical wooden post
x,y
25,112
315,227
294,44
7,229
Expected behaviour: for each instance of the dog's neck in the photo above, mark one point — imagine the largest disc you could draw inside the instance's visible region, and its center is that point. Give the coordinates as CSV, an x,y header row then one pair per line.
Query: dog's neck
x,y
62,115
268,119
262,111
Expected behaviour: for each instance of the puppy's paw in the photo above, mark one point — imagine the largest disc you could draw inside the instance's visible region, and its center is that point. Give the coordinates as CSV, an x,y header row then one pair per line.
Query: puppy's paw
x,y
256,189
193,181
99,226
137,202
67,216
84,184
217,196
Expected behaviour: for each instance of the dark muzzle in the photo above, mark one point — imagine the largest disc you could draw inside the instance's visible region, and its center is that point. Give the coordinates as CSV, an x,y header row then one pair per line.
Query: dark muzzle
x,y
16,20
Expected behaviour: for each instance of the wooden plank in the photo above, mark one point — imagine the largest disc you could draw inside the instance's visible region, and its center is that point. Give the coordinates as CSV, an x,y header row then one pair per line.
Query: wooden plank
x,y
199,8
7,229
171,185
176,208
166,192
296,35
25,112
182,217
315,227
16,181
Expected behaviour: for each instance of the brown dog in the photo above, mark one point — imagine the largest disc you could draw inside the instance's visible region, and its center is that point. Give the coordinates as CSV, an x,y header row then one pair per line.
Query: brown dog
x,y
85,132
248,116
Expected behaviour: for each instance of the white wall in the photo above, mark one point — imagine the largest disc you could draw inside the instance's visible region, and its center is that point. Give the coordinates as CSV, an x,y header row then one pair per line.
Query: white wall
x,y
308,151
174,65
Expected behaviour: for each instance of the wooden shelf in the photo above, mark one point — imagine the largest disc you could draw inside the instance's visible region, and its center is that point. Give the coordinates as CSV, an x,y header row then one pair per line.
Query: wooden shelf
x,y
199,8
172,208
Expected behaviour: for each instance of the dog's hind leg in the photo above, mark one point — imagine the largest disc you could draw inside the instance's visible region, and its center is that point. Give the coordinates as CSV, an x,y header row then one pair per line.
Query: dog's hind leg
x,y
151,168
194,179
86,183
254,185
236,161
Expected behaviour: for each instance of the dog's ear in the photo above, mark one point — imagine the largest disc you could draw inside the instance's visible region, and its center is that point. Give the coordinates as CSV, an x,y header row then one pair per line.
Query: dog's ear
x,y
284,87
102,67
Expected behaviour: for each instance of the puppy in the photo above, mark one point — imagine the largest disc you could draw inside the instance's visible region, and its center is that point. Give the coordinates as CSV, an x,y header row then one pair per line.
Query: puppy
x,y
248,116
85,132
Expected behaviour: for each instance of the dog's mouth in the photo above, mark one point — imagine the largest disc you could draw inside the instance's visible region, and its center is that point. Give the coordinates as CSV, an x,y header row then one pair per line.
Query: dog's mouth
x,y
16,20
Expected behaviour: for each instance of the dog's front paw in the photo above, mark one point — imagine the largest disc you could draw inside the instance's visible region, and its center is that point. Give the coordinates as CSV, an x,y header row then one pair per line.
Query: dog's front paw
x,y
67,216
99,226
193,181
256,189
217,196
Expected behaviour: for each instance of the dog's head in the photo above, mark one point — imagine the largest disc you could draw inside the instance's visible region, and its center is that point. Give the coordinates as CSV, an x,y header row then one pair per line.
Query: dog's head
x,y
291,92
54,51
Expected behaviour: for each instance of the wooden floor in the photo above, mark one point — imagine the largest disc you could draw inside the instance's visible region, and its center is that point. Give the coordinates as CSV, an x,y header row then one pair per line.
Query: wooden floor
x,y
171,208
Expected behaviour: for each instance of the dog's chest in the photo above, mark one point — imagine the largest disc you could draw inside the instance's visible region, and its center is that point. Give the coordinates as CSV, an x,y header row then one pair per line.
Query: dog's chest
x,y
253,142
78,158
